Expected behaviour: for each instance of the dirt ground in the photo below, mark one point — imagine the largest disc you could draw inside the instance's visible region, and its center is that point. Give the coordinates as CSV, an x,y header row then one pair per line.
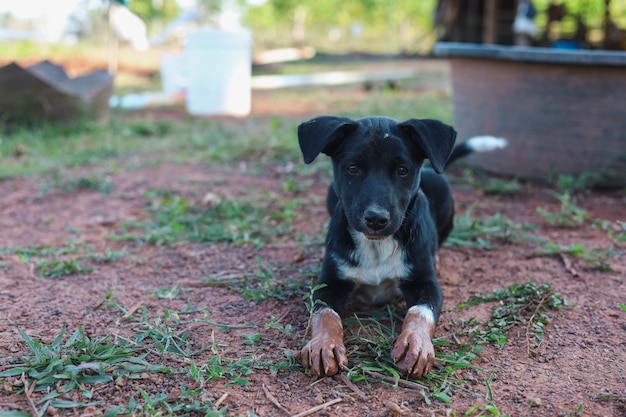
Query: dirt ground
x,y
578,369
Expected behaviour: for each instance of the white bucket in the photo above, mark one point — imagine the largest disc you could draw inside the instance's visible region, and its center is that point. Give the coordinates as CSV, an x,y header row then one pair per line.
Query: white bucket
x,y
219,71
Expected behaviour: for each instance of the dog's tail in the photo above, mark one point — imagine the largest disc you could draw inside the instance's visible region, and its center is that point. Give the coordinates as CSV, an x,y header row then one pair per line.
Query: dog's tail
x,y
476,144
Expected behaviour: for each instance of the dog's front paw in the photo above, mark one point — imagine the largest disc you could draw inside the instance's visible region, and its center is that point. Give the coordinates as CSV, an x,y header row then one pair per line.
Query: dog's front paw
x,y
413,354
413,351
325,354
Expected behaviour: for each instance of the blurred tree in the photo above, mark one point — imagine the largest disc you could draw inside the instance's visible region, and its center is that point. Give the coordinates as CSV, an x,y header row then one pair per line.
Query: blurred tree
x,y
154,11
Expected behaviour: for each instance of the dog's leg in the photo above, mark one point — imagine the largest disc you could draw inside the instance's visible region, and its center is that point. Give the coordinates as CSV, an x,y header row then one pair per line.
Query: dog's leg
x,y
325,354
413,351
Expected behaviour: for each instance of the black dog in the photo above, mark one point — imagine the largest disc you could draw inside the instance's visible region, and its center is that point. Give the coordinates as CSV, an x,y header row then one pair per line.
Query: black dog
x,y
389,216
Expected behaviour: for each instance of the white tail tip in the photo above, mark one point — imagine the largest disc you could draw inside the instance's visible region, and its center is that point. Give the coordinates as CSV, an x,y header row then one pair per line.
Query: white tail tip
x,y
486,143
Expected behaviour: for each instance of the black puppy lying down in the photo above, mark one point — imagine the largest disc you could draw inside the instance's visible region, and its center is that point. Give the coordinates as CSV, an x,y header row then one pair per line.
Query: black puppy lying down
x,y
389,215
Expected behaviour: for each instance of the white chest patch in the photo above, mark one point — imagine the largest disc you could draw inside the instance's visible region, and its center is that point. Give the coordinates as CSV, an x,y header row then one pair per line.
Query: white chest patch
x,y
376,261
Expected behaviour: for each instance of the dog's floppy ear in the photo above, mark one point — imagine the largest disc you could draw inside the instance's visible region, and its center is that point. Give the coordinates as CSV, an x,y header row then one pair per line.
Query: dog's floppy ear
x,y
435,138
321,135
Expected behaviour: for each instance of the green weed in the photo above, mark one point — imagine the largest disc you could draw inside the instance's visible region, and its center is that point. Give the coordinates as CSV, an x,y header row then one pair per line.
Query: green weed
x,y
575,184
234,371
568,216
616,231
167,334
286,329
479,410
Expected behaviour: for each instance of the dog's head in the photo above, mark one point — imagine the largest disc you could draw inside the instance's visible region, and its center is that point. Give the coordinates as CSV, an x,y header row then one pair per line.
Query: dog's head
x,y
376,164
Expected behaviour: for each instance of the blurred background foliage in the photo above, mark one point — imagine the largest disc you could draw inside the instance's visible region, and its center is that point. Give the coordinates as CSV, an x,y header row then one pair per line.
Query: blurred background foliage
x,y
338,26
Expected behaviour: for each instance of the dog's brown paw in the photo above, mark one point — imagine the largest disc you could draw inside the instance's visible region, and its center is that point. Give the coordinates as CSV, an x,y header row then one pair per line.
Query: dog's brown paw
x,y
325,354
413,351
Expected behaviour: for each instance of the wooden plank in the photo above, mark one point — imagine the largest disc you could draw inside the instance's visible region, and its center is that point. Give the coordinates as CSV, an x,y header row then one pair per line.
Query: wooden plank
x,y
269,82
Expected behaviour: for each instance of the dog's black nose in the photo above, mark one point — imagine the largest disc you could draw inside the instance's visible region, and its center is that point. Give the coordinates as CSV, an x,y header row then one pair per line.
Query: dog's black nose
x,y
376,219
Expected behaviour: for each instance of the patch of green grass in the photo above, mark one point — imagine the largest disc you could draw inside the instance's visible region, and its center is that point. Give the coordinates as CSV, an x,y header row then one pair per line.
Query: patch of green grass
x,y
56,262
169,334
68,182
499,186
369,338
54,369
50,148
265,285
188,402
569,215
63,267
595,258
170,331
52,262
473,232
525,304
165,336
489,184
176,219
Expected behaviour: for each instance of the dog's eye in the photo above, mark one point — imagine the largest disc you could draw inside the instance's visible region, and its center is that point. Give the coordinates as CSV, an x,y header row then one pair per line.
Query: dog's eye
x,y
403,171
353,169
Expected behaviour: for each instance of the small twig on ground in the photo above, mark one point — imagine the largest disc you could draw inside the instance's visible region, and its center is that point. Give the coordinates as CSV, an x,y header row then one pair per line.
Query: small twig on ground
x,y
402,382
568,266
28,391
220,400
132,310
274,400
318,408
353,387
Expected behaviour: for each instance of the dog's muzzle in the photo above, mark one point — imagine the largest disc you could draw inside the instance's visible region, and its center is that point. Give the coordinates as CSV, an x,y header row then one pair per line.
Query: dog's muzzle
x,y
376,223
376,219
